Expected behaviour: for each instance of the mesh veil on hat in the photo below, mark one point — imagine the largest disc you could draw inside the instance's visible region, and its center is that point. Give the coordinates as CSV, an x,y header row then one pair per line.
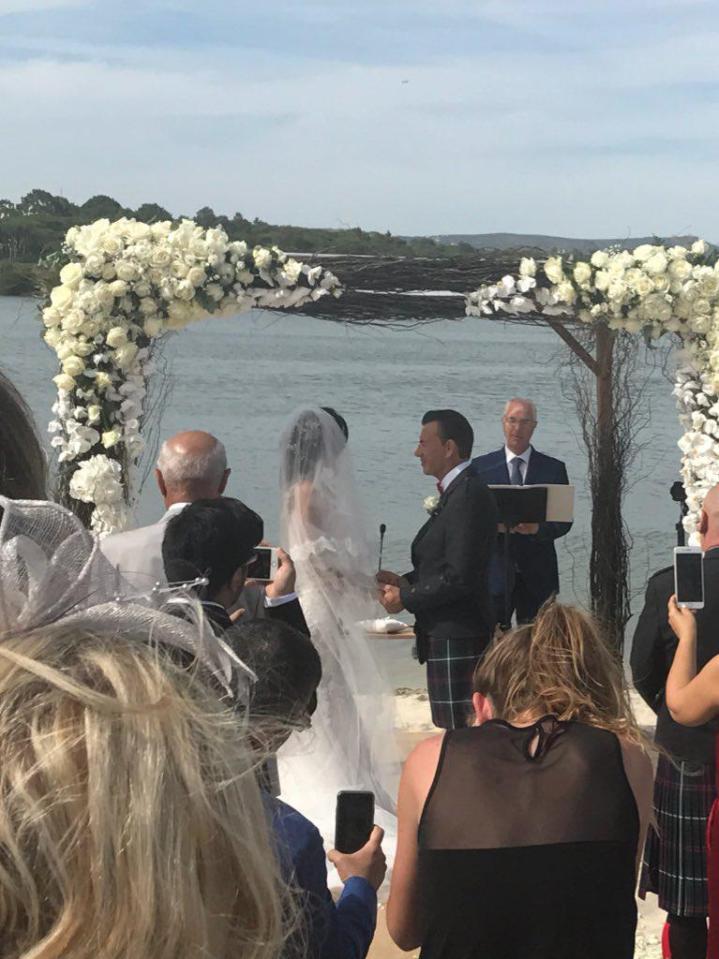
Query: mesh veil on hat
x,y
52,573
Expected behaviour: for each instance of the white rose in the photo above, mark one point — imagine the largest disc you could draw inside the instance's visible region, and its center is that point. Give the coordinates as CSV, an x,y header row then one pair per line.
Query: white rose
x,y
679,270
94,264
110,438
117,336
143,289
125,356
262,258
644,252
73,366
93,413
73,321
601,280
160,256
527,266
148,306
565,292
617,289
111,244
103,381
677,252
196,276
656,264
64,382
582,273
108,272
699,248
61,297
71,274
52,338
118,288
126,271
153,326
553,269
599,259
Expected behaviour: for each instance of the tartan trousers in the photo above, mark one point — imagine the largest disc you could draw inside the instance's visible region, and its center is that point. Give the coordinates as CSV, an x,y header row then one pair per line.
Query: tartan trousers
x,y
450,670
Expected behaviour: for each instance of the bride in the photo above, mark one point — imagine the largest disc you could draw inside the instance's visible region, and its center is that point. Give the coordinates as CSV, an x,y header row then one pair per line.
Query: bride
x,y
351,742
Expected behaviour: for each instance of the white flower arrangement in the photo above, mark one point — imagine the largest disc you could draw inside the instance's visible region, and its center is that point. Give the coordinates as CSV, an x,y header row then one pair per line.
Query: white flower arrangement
x,y
431,503
652,290
126,285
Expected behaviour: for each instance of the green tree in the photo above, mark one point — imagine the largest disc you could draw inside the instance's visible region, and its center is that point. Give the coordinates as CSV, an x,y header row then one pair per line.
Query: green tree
x,y
152,213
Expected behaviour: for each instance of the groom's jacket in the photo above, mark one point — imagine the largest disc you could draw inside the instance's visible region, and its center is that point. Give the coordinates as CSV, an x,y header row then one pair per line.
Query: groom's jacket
x,y
448,588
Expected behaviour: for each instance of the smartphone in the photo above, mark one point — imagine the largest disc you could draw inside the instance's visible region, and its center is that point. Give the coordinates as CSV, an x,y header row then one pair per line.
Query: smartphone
x,y
354,819
689,576
264,567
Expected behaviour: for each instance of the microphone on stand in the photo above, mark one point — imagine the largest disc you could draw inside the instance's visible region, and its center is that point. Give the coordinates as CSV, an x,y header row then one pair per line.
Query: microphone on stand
x,y
382,531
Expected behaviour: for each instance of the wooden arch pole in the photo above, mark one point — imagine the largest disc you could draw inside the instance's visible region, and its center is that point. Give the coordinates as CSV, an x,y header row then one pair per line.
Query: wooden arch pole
x,y
607,566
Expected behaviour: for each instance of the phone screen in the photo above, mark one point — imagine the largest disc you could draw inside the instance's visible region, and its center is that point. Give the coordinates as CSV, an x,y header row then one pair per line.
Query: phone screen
x,y
689,577
262,566
354,820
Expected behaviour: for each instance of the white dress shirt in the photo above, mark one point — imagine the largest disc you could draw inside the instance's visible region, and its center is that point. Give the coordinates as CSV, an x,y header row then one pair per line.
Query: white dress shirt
x,y
453,474
523,466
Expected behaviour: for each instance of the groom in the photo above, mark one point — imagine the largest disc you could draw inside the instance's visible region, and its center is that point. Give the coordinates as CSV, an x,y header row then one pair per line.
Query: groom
x,y
448,589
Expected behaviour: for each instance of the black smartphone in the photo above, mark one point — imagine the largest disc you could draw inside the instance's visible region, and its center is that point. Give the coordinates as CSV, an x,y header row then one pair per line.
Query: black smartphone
x,y
689,576
354,819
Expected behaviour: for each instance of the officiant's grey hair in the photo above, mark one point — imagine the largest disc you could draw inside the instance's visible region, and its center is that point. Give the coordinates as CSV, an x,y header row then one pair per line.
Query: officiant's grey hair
x,y
180,466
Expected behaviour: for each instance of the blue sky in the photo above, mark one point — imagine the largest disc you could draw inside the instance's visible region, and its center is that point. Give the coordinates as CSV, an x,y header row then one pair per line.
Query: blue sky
x,y
566,117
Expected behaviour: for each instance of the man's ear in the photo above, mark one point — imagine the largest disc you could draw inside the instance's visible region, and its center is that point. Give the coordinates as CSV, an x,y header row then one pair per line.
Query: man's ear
x,y
223,482
238,579
703,523
161,483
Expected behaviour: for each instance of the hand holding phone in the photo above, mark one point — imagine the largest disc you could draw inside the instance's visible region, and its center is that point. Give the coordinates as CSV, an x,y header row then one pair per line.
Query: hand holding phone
x,y
369,862
689,576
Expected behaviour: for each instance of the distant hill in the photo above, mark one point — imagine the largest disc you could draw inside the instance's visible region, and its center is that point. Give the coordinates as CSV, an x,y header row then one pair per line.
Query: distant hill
x,y
506,241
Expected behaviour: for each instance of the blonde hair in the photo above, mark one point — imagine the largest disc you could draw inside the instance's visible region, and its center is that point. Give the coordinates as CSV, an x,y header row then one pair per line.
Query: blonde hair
x,y
559,665
131,824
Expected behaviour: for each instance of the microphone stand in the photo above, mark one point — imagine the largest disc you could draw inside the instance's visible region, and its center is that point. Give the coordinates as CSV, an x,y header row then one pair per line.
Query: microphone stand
x,y
382,531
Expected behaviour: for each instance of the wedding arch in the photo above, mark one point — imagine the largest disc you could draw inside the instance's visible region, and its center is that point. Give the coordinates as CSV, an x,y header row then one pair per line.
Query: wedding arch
x,y
614,295
123,286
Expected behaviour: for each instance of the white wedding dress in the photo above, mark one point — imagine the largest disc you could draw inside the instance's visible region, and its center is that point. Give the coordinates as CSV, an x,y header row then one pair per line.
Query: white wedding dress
x,y
351,743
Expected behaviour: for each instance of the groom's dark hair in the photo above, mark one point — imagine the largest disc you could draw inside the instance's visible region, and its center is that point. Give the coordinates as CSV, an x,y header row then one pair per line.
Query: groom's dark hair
x,y
451,425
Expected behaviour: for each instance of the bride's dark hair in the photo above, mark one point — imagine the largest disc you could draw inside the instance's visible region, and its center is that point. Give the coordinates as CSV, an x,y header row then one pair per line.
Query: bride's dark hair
x,y
307,443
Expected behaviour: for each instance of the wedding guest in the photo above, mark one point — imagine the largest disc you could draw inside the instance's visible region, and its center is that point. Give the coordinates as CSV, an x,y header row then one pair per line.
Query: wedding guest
x,y
447,588
23,467
216,539
675,863
132,825
191,465
533,575
520,836
288,671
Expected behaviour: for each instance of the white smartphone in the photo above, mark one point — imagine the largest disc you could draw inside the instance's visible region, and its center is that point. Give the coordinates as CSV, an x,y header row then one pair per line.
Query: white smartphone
x,y
264,568
689,576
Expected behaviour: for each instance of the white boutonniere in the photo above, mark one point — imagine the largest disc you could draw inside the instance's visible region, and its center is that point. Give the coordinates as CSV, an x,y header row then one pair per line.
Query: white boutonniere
x,y
431,503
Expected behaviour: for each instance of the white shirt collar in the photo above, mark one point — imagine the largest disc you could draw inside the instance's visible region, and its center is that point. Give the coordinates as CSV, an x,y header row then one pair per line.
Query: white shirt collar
x,y
173,511
524,457
453,474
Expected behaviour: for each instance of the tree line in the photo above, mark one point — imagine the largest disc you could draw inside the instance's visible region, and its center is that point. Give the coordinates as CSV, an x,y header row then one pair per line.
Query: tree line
x,y
35,226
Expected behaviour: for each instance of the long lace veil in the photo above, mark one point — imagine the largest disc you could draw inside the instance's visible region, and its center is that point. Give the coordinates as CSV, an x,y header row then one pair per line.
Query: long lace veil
x,y
352,744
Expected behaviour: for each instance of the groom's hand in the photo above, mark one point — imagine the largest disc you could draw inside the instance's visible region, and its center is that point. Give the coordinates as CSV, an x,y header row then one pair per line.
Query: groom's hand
x,y
285,577
391,599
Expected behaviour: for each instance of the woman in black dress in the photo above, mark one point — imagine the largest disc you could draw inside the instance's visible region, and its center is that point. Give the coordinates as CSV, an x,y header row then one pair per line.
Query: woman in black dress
x,y
519,837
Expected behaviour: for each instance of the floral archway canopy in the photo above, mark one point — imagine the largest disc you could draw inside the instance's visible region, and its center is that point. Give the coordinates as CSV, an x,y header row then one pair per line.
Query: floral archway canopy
x,y
652,290
123,286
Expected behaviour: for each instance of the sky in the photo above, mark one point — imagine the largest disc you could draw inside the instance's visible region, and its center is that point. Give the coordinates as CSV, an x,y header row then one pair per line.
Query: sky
x,y
587,118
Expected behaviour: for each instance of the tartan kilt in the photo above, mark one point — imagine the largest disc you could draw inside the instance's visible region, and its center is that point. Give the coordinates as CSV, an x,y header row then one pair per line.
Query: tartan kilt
x,y
450,670
675,854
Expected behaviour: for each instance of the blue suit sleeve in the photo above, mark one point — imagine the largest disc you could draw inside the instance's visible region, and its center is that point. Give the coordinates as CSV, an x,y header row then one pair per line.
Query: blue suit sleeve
x,y
334,931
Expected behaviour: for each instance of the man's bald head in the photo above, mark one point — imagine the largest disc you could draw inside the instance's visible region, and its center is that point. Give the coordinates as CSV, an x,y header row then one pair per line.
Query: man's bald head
x,y
192,465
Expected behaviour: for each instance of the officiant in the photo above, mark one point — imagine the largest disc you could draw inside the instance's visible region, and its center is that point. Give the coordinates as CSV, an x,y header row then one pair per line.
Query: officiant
x,y
532,575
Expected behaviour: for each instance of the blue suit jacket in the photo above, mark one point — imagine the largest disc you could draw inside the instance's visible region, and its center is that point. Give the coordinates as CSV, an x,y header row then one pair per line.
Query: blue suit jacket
x,y
533,556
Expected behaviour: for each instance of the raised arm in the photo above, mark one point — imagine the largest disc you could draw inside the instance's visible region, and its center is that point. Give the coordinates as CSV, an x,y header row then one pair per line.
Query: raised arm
x,y
692,699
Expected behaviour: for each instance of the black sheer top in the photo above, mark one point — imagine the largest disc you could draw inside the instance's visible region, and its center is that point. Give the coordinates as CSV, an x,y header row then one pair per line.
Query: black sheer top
x,y
527,845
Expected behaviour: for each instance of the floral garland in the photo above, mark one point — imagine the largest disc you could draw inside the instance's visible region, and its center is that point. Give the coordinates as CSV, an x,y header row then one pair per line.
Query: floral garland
x,y
652,290
124,285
